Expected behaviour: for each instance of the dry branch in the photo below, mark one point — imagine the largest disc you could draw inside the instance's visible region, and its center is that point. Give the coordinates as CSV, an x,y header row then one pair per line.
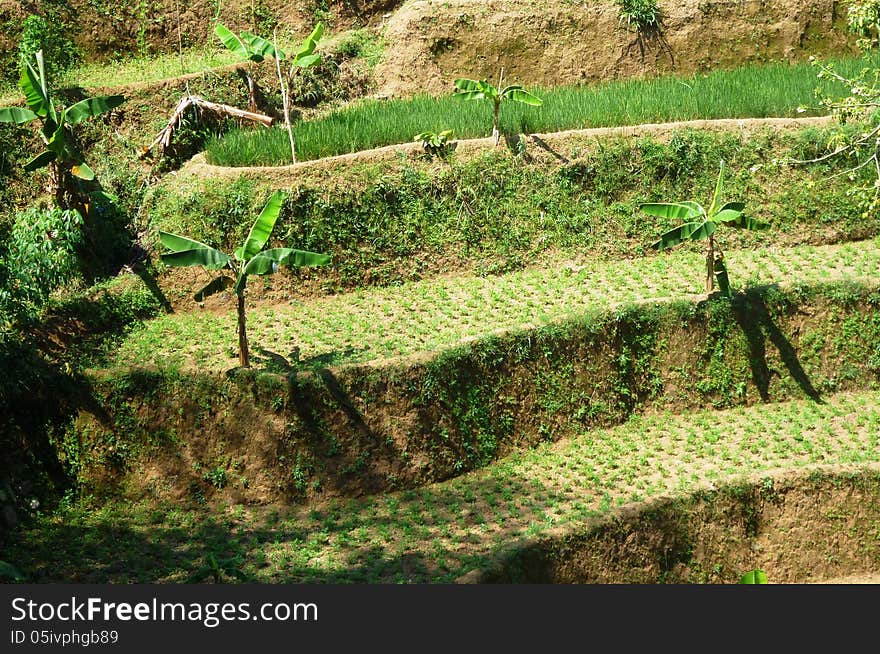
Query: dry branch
x,y
163,138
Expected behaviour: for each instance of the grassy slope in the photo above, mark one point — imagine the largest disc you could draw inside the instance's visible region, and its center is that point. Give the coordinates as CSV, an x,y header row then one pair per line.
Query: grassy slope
x,y
390,222
442,531
440,313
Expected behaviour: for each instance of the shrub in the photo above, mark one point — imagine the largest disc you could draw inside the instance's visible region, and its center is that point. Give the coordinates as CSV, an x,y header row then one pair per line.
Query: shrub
x,y
40,256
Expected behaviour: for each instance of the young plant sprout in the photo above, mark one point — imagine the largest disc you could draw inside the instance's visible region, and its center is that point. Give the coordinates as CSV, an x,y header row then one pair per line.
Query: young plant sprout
x,y
701,224
470,89
249,259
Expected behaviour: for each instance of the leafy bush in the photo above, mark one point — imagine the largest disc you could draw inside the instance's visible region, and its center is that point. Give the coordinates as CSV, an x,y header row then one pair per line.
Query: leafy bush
x,y
639,15
50,37
435,144
863,20
40,257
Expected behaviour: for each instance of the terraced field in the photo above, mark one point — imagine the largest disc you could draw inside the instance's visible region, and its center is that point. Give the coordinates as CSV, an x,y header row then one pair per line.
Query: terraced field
x,y
433,315
411,431
444,531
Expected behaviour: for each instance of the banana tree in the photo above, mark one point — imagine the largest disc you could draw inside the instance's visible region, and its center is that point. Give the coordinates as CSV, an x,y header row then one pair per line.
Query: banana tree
x,y
61,155
470,89
251,48
701,224
249,259
305,57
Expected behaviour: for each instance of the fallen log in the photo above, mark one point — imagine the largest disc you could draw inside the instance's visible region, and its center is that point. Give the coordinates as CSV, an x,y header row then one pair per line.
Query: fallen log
x,y
163,138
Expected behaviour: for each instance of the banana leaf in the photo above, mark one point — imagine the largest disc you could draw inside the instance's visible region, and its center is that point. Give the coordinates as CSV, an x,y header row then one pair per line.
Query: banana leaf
x,y
694,231
262,227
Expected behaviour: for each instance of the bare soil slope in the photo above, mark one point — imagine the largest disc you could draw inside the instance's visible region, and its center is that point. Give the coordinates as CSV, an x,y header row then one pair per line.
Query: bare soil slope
x,y
550,42
104,28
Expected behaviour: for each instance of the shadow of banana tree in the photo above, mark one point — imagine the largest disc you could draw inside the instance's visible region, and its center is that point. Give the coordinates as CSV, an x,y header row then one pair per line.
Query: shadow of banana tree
x,y
752,315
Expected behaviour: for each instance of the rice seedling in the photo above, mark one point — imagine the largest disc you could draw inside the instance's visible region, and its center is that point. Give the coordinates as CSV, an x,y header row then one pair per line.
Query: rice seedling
x,y
752,91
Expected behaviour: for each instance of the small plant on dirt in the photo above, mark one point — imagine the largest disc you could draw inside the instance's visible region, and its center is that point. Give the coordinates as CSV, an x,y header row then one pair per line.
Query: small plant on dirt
x,y
469,89
756,576
249,259
61,156
435,144
701,224
644,18
638,15
251,48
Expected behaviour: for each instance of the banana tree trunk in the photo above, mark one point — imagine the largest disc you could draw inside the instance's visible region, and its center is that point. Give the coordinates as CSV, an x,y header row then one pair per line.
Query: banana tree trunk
x,y
56,184
63,188
244,358
710,266
252,91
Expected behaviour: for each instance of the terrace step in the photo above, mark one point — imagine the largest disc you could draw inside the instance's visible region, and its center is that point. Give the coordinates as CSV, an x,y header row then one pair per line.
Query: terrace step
x,y
444,531
429,316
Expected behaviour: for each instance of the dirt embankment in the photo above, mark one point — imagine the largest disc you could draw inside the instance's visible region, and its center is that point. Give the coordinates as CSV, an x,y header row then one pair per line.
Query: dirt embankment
x,y
559,42
104,28
817,527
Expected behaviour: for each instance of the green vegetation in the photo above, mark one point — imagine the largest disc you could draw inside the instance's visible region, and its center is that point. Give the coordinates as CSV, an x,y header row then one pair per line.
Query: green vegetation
x,y
50,38
750,91
489,313
305,57
756,576
390,223
435,144
471,523
469,89
863,19
39,257
639,15
62,155
436,314
250,259
702,225
250,48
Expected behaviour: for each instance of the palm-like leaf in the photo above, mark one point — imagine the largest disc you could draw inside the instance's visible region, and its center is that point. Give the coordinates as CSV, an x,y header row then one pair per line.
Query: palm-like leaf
x,y
745,222
17,115
82,171
262,227
43,159
693,231
719,186
307,60
231,41
258,47
735,206
471,89
678,210
308,47
91,107
517,93
35,91
58,141
267,262
754,577
187,252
